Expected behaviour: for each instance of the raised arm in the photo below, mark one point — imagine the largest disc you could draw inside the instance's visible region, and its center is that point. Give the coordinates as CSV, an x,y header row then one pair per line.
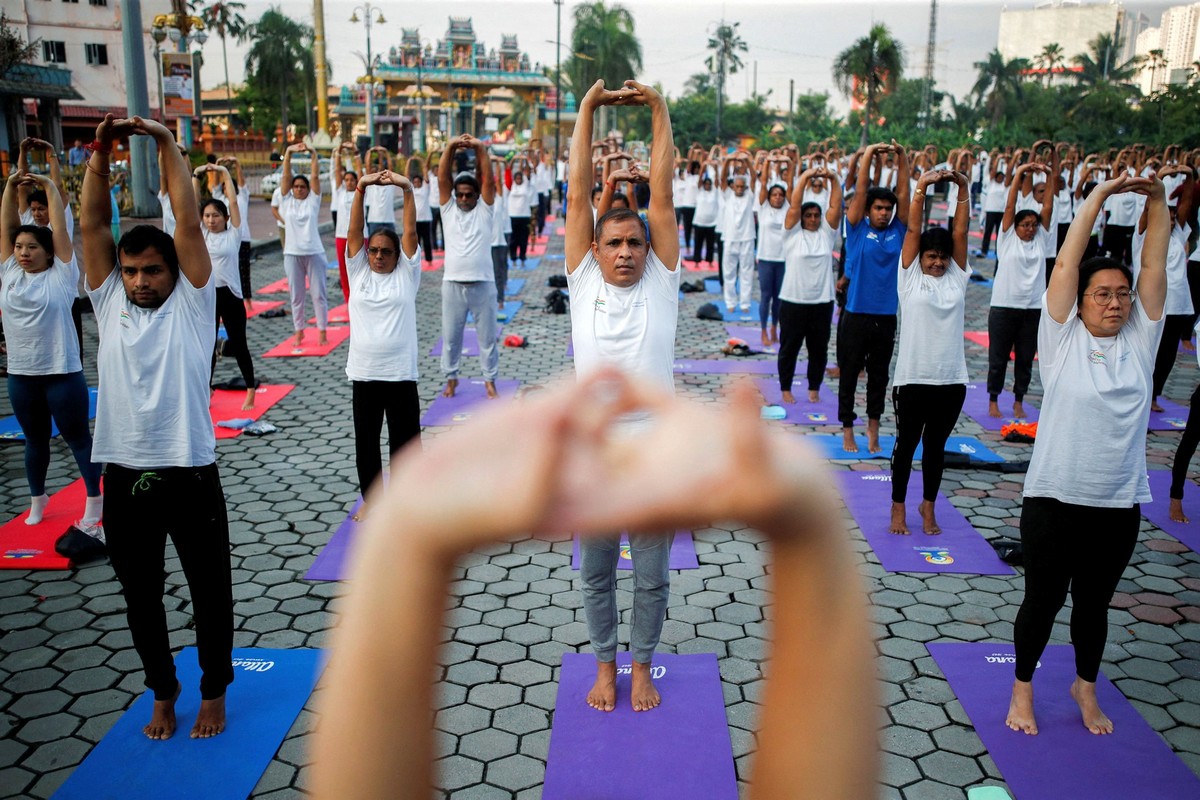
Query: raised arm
x,y
1052,177
354,235
231,198
902,173
10,217
962,218
285,180
763,175
664,234
858,204
1152,277
1014,187
194,262
95,202
408,240
314,175
487,187
446,172
916,216
794,215
31,144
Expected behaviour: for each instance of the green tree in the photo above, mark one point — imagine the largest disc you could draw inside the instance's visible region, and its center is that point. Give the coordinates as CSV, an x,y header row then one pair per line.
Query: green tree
x,y
276,63
1049,59
725,44
1099,66
868,68
224,17
604,45
1154,62
1000,83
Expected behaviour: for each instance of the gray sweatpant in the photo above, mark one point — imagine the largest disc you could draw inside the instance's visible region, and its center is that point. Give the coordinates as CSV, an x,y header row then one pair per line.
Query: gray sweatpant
x,y
310,269
478,297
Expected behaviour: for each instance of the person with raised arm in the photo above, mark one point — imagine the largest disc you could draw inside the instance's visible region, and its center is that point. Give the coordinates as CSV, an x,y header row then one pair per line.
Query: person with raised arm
x,y
155,301
737,232
624,288
929,386
243,203
771,211
1080,516
468,278
304,252
418,174
381,199
345,184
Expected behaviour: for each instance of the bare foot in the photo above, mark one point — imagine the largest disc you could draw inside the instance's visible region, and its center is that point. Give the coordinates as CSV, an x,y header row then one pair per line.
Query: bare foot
x,y
1154,405
322,339
451,385
249,306
1094,719
1018,409
162,719
848,443
873,436
1176,511
994,409
788,397
1020,709
766,338
491,390
361,514
929,521
643,694
774,334
1189,346
833,372
299,338
211,719
899,523
603,695
248,403
814,395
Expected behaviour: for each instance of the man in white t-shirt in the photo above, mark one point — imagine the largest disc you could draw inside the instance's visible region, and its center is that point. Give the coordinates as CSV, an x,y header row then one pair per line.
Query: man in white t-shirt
x,y
468,280
624,309
155,301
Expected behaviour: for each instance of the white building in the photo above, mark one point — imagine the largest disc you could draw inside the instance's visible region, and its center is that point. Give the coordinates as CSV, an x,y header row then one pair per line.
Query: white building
x,y
1178,37
1069,24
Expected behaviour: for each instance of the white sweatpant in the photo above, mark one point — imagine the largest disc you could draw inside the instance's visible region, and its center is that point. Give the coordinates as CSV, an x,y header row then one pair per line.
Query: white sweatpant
x,y
739,273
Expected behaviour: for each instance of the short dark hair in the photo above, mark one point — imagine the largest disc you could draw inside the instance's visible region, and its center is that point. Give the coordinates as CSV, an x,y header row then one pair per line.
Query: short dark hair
x,y
614,215
44,236
936,240
467,179
350,172
140,238
621,197
809,206
1097,264
222,209
391,235
1023,215
304,178
881,193
38,196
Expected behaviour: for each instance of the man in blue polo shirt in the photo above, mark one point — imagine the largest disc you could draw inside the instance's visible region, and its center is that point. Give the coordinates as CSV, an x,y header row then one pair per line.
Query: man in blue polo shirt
x,y
867,329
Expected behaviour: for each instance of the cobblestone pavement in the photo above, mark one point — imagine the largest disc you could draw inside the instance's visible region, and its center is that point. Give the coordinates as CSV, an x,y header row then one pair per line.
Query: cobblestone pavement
x,y
67,668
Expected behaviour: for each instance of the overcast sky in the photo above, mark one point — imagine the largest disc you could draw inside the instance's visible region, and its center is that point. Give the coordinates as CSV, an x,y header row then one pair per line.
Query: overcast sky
x,y
787,39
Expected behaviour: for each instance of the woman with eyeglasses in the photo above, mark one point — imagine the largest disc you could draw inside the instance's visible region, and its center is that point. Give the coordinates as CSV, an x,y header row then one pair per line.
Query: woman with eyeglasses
x,y
1080,514
385,273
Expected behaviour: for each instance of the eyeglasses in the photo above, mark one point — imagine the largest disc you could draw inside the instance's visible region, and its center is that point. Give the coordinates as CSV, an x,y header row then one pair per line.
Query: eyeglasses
x,y
1104,296
464,195
386,252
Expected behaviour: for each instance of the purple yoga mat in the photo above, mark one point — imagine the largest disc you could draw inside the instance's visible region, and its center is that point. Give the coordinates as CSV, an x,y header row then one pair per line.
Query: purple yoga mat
x,y
1173,417
1158,511
683,552
958,548
1064,760
679,750
460,408
802,412
334,559
470,342
730,365
753,337
976,407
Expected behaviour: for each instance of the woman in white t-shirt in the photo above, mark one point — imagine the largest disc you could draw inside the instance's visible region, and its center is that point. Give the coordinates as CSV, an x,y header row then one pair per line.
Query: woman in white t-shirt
x,y
418,174
221,226
704,223
687,186
386,273
772,209
929,385
1087,476
345,181
806,295
303,251
1025,238
38,277
995,191
517,200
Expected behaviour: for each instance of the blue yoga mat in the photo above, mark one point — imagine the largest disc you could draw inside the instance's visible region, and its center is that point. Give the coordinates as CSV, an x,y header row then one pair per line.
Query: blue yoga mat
x,y
530,264
514,287
504,313
9,429
269,689
830,446
713,285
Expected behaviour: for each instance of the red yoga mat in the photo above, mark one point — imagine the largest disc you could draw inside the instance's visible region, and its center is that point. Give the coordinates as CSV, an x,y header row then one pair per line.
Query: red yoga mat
x,y
32,546
338,315
278,287
432,266
260,307
227,404
308,346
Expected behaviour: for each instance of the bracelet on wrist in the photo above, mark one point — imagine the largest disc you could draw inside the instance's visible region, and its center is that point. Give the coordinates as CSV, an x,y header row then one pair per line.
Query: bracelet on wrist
x,y
96,146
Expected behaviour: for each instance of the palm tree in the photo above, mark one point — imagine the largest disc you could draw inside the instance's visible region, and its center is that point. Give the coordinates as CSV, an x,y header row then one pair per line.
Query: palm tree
x,y
725,44
1099,66
1000,80
1154,62
604,45
869,67
224,17
276,60
1050,58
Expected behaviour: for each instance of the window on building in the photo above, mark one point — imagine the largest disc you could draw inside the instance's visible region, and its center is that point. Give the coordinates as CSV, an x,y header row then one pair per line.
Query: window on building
x,y
54,52
97,54
97,2
70,1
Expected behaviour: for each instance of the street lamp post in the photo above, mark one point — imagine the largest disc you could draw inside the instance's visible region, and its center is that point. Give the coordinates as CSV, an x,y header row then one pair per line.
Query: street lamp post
x,y
182,29
142,168
367,10
558,85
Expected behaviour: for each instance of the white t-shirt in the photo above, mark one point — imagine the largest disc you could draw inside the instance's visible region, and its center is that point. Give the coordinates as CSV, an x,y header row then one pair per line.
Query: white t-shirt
x,y
501,223
737,224
27,219
383,345
1179,295
168,215
632,328
517,200
468,242
821,198
685,194
381,203
1123,209
995,195
243,201
276,200
1091,443
707,207
341,204
421,198
223,252
1020,278
301,219
770,231
35,309
153,364
808,259
931,326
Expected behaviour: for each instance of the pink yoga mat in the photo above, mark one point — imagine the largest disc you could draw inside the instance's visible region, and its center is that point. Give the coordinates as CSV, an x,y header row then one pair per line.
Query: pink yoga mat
x,y
261,306
309,347
338,315
278,287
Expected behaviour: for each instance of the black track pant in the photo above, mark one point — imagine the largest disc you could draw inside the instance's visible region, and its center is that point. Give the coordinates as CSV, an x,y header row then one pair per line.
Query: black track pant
x,y
141,509
1081,549
706,240
1187,447
232,312
1118,242
425,237
865,341
686,214
924,414
372,402
518,243
1176,328
991,224
1011,330
800,323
